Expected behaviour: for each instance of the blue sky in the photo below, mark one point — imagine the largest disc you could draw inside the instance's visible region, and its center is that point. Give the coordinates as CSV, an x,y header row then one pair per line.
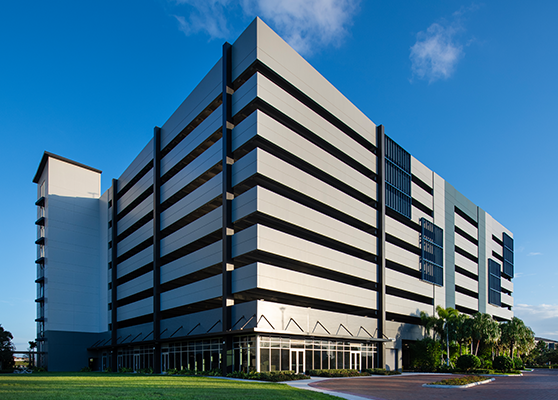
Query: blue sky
x,y
469,88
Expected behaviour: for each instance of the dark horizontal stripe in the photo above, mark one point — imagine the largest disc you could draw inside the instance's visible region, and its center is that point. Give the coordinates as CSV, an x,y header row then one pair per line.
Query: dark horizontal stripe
x,y
422,207
400,218
299,266
259,104
392,291
466,254
423,185
144,294
497,240
191,217
500,319
285,191
497,256
135,250
135,226
403,269
403,245
288,87
300,301
465,235
192,308
144,319
195,153
466,217
466,292
137,201
303,233
466,273
466,310
405,319
192,278
206,112
190,187
135,179
311,170
135,273
191,247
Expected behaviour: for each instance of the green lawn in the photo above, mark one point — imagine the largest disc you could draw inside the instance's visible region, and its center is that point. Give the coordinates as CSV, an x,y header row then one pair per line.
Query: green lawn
x,y
128,386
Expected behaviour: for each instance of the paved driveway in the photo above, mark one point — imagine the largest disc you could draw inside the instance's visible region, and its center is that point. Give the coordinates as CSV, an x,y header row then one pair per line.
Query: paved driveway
x,y
540,384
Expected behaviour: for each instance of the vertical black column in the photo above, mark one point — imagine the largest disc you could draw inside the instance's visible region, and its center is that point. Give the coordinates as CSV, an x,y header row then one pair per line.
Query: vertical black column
x,y
114,261
157,248
381,210
227,229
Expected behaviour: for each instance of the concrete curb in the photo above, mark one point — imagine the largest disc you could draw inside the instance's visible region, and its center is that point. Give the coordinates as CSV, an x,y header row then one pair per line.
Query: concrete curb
x,y
458,387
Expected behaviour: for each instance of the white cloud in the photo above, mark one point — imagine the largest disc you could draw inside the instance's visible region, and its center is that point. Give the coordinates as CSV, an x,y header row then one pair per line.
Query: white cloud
x,y
305,25
436,52
534,254
542,318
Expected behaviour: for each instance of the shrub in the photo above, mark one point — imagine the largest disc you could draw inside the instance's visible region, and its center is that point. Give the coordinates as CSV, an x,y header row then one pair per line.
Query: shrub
x,y
124,370
273,376
503,363
381,371
445,368
468,362
518,363
335,373
465,380
107,369
426,354
486,364
85,369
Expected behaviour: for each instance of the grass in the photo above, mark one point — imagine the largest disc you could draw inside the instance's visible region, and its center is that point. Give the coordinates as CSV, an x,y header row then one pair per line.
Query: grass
x,y
88,386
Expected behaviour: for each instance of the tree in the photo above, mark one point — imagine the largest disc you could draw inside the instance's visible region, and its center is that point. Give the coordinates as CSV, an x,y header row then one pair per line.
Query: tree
x,y
427,322
446,323
32,347
463,330
6,350
515,333
484,328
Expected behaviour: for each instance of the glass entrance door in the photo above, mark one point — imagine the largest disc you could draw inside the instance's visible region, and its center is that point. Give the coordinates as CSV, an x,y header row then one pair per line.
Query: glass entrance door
x,y
137,366
355,360
297,361
164,361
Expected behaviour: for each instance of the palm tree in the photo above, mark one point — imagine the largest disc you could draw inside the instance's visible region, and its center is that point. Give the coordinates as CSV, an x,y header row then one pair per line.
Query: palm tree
x,y
427,322
447,318
514,333
463,330
484,328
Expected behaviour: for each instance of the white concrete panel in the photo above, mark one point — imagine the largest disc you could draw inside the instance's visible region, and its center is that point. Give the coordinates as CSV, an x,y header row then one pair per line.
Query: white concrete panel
x,y
507,299
138,260
137,309
290,106
72,181
206,289
202,226
466,301
466,264
141,186
273,241
279,56
508,285
402,306
196,261
408,283
401,231
204,130
134,286
202,163
422,196
417,214
143,158
466,282
266,164
402,256
421,171
139,236
134,215
466,226
299,284
466,245
202,195
203,94
294,213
